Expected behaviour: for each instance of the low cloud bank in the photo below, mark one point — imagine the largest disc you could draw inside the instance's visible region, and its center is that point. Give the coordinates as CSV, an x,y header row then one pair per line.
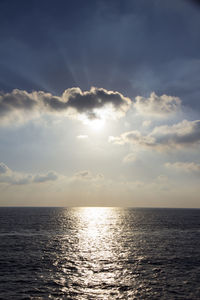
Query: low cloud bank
x,y
8,176
14,178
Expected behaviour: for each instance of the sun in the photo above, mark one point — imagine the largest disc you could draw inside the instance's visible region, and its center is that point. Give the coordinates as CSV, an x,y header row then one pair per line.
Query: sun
x,y
94,124
97,124
98,121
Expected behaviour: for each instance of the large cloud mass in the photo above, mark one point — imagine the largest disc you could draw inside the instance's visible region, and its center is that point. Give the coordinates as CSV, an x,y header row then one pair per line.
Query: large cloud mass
x,y
183,134
73,101
157,105
10,177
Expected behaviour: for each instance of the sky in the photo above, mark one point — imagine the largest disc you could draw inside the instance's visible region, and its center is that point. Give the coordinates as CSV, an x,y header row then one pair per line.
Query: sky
x,y
100,103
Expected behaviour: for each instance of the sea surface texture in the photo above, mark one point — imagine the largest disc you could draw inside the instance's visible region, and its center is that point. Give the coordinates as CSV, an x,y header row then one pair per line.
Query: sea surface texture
x,y
99,253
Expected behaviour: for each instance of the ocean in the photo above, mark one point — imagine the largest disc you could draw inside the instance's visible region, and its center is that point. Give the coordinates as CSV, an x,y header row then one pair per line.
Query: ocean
x,y
99,253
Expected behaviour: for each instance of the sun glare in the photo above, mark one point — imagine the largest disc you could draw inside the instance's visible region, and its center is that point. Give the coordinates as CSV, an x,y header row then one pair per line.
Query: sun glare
x,y
97,124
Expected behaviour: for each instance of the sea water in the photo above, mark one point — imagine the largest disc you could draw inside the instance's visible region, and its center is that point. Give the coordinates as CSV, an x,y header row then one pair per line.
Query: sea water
x,y
99,253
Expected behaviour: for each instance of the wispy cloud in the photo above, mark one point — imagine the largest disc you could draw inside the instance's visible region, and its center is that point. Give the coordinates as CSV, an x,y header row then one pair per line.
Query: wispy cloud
x,y
131,157
184,166
87,175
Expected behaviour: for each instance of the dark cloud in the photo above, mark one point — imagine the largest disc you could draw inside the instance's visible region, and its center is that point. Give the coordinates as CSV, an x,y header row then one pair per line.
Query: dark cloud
x,y
96,98
181,135
88,101
73,100
16,100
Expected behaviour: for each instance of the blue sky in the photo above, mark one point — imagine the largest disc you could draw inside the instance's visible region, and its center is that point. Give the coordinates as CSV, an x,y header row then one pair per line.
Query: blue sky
x,y
131,140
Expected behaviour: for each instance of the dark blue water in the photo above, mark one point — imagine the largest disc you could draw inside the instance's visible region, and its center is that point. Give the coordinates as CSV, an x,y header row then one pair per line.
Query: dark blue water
x,y
99,253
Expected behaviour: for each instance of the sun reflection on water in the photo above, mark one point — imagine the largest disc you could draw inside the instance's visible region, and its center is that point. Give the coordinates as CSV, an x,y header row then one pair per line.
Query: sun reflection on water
x,y
95,232
94,254
100,254
96,244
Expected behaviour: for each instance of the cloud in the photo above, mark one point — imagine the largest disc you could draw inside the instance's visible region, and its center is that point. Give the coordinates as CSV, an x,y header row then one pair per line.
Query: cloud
x,y
180,135
15,178
146,123
184,166
3,168
82,136
87,175
83,175
157,105
131,157
96,98
16,100
51,176
183,134
73,101
133,137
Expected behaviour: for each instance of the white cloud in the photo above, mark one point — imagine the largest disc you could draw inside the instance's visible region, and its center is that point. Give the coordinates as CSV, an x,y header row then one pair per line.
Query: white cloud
x,y
132,137
181,135
157,105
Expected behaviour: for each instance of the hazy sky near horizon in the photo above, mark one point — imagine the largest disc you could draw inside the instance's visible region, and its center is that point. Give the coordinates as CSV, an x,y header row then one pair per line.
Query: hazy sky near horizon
x,y
100,103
